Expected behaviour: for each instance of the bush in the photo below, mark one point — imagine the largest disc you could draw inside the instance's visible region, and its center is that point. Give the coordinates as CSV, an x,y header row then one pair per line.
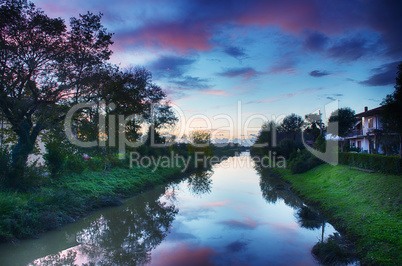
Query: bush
x,y
287,146
54,158
375,162
332,252
5,163
96,163
75,164
303,161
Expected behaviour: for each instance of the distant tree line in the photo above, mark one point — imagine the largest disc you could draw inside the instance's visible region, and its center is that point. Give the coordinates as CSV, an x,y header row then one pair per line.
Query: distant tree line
x,y
286,138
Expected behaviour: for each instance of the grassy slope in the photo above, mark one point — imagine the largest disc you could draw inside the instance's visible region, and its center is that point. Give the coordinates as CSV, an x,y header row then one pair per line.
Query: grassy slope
x,y
364,205
24,215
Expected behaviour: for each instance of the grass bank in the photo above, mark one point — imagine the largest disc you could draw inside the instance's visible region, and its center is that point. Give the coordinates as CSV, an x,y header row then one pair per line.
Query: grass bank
x,y
25,215
365,206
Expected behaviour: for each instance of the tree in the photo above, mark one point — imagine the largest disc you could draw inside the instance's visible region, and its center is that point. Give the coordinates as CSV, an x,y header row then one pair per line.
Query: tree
x,y
45,69
200,137
267,135
291,126
392,109
314,125
133,93
345,118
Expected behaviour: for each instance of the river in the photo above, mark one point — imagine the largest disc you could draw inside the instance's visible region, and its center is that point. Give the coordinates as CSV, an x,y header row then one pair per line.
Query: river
x,y
233,214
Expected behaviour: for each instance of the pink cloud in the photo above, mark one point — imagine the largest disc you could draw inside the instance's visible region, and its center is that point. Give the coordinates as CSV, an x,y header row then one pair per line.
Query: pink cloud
x,y
216,92
293,15
176,36
185,255
246,224
290,95
270,100
245,72
284,227
217,203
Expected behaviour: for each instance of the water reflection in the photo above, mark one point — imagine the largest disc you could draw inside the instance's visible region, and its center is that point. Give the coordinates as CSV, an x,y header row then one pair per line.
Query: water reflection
x,y
222,220
127,237
331,251
131,233
200,182
274,188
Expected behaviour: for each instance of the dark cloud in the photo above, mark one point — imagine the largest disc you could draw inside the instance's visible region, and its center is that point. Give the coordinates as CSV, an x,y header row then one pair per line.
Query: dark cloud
x,y
189,82
173,69
331,96
171,66
236,246
318,73
182,37
246,72
181,236
316,42
349,49
286,64
194,23
236,52
385,17
248,224
382,76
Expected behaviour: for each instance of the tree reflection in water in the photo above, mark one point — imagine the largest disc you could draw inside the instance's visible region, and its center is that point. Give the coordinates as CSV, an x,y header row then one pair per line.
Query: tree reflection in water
x,y
126,236
58,259
129,236
274,188
200,182
311,219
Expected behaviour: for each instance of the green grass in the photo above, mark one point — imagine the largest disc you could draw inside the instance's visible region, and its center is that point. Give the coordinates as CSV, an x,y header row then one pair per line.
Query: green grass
x,y
24,215
365,206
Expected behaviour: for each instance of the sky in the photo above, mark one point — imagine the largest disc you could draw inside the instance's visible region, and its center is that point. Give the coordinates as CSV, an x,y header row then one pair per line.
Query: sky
x,y
233,64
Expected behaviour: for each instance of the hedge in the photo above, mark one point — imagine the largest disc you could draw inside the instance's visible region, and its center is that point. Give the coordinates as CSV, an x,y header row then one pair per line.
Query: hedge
x,y
375,162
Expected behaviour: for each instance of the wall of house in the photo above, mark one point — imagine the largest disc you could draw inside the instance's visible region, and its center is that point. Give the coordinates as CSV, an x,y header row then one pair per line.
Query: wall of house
x,y
376,123
364,144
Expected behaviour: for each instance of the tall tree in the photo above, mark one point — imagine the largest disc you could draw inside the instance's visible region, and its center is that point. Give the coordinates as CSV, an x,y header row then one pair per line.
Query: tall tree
x,y
133,93
345,118
392,109
291,126
44,69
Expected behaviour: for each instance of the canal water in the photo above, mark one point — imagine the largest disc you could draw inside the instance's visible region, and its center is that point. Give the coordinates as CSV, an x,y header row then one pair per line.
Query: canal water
x,y
233,214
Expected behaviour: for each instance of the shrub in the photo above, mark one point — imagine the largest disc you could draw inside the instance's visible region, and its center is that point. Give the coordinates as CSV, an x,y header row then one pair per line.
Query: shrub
x,y
287,146
54,158
75,164
375,162
303,161
96,164
332,252
5,160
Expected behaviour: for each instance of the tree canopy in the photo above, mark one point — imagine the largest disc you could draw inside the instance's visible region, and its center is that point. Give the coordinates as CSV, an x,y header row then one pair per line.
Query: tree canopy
x,y
392,109
345,118
47,67
291,126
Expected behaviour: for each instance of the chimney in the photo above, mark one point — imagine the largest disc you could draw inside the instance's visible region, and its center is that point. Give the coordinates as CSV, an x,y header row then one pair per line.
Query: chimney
x,y
365,108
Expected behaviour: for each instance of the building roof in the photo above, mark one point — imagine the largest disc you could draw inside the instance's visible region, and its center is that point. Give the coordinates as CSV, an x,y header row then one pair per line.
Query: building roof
x,y
371,112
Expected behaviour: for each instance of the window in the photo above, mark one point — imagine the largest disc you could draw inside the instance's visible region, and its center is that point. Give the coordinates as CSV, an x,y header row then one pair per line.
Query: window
x,y
359,144
371,123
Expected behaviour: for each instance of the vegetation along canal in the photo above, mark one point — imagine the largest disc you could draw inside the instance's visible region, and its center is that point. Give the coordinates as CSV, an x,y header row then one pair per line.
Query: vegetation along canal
x,y
233,214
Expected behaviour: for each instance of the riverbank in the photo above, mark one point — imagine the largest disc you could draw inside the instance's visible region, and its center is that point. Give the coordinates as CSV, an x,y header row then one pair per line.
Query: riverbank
x,y
365,206
25,215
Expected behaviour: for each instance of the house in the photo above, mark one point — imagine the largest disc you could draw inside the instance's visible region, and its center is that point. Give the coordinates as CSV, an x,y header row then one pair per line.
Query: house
x,y
367,133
